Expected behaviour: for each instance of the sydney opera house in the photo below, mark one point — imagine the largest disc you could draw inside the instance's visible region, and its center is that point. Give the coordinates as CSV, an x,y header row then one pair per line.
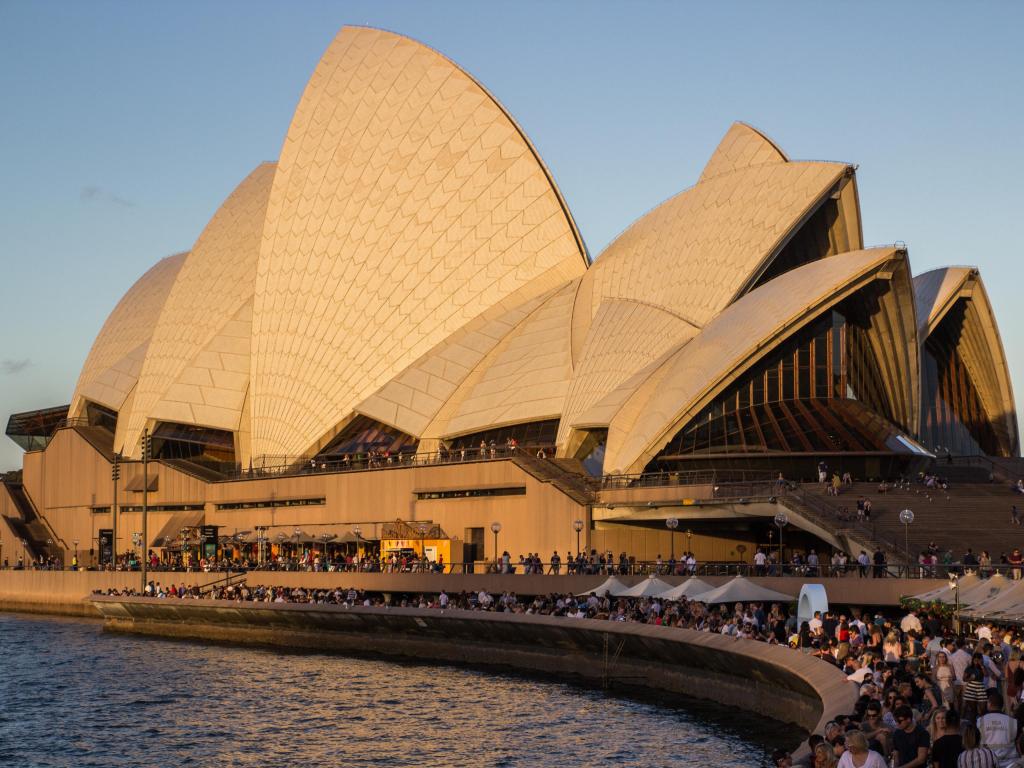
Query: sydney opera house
x,y
398,322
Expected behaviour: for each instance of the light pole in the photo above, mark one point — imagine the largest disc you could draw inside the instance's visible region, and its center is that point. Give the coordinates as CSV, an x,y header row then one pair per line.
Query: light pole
x,y
672,523
147,448
76,555
136,539
907,517
422,530
115,475
358,533
325,537
577,525
496,529
954,584
261,537
781,520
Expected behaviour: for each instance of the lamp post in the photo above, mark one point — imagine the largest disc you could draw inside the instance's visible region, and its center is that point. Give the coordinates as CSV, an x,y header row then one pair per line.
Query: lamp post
x,y
421,529
781,520
496,529
672,523
76,554
147,449
325,537
261,537
358,533
954,584
577,525
115,475
907,517
136,539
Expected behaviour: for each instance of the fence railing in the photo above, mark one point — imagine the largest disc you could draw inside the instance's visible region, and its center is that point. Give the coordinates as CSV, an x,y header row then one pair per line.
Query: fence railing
x,y
237,572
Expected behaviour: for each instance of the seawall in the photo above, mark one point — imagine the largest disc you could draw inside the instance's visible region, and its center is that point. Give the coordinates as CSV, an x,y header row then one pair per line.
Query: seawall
x,y
772,681
68,592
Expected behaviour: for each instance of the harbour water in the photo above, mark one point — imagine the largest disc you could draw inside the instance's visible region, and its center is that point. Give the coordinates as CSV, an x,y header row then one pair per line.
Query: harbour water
x,y
73,695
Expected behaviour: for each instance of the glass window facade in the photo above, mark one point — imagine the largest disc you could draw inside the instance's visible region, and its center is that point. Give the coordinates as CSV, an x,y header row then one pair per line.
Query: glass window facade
x,y
819,392
365,435
953,418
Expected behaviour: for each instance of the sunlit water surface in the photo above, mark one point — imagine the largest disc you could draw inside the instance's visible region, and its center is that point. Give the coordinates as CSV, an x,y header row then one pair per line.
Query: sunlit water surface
x,y
73,695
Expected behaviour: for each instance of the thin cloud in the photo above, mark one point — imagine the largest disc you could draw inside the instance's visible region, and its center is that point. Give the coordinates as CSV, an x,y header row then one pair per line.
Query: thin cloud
x,y
12,367
91,193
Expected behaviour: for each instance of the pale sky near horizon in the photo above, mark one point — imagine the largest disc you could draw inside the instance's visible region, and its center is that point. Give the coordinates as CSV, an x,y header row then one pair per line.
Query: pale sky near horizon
x,y
124,125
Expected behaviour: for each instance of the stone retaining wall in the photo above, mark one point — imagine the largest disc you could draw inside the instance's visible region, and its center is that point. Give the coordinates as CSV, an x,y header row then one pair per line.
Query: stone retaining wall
x,y
775,682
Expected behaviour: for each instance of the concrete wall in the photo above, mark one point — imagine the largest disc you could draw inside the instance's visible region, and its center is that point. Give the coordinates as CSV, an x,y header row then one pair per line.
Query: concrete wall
x,y
776,682
70,477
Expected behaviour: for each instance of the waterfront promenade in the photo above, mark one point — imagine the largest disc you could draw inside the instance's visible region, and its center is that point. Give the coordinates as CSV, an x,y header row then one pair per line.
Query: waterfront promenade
x,y
67,592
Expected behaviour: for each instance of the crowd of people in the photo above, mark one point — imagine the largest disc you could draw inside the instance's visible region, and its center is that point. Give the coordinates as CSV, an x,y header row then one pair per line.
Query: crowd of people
x,y
927,696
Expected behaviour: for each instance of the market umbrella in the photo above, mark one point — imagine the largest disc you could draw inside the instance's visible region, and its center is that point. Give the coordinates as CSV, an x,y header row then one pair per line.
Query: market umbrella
x,y
945,594
985,589
611,584
741,590
649,587
692,586
1006,602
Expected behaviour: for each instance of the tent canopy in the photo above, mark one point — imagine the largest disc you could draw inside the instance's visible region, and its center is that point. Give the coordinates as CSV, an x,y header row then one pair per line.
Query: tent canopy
x,y
611,584
1005,602
649,587
692,586
984,590
741,590
945,594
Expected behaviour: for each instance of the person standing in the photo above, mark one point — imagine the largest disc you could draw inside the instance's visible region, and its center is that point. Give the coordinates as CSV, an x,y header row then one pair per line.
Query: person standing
x,y
910,741
999,731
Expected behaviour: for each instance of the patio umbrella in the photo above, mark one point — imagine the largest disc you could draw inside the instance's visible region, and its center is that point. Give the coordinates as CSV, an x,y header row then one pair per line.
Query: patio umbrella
x,y
945,594
611,584
692,586
649,587
741,590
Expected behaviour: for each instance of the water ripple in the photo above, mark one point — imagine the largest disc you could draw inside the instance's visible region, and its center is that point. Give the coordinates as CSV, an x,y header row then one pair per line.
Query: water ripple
x,y
71,694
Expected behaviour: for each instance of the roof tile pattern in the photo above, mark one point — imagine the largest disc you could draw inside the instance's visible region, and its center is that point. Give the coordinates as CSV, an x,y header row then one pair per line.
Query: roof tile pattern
x,y
526,377
115,360
693,253
406,203
197,365
741,147
728,344
416,397
625,337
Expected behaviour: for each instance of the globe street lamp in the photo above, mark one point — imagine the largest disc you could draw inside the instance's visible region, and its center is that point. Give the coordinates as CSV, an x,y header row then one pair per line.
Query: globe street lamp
x,y
496,529
907,517
781,520
577,525
76,555
672,523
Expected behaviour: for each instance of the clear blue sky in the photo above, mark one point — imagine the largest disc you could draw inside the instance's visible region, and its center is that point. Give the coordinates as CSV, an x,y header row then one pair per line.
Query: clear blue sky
x,y
123,125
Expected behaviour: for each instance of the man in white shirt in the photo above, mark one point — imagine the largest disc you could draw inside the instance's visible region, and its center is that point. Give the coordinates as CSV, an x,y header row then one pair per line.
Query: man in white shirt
x,y
815,623
959,659
760,560
911,622
999,731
